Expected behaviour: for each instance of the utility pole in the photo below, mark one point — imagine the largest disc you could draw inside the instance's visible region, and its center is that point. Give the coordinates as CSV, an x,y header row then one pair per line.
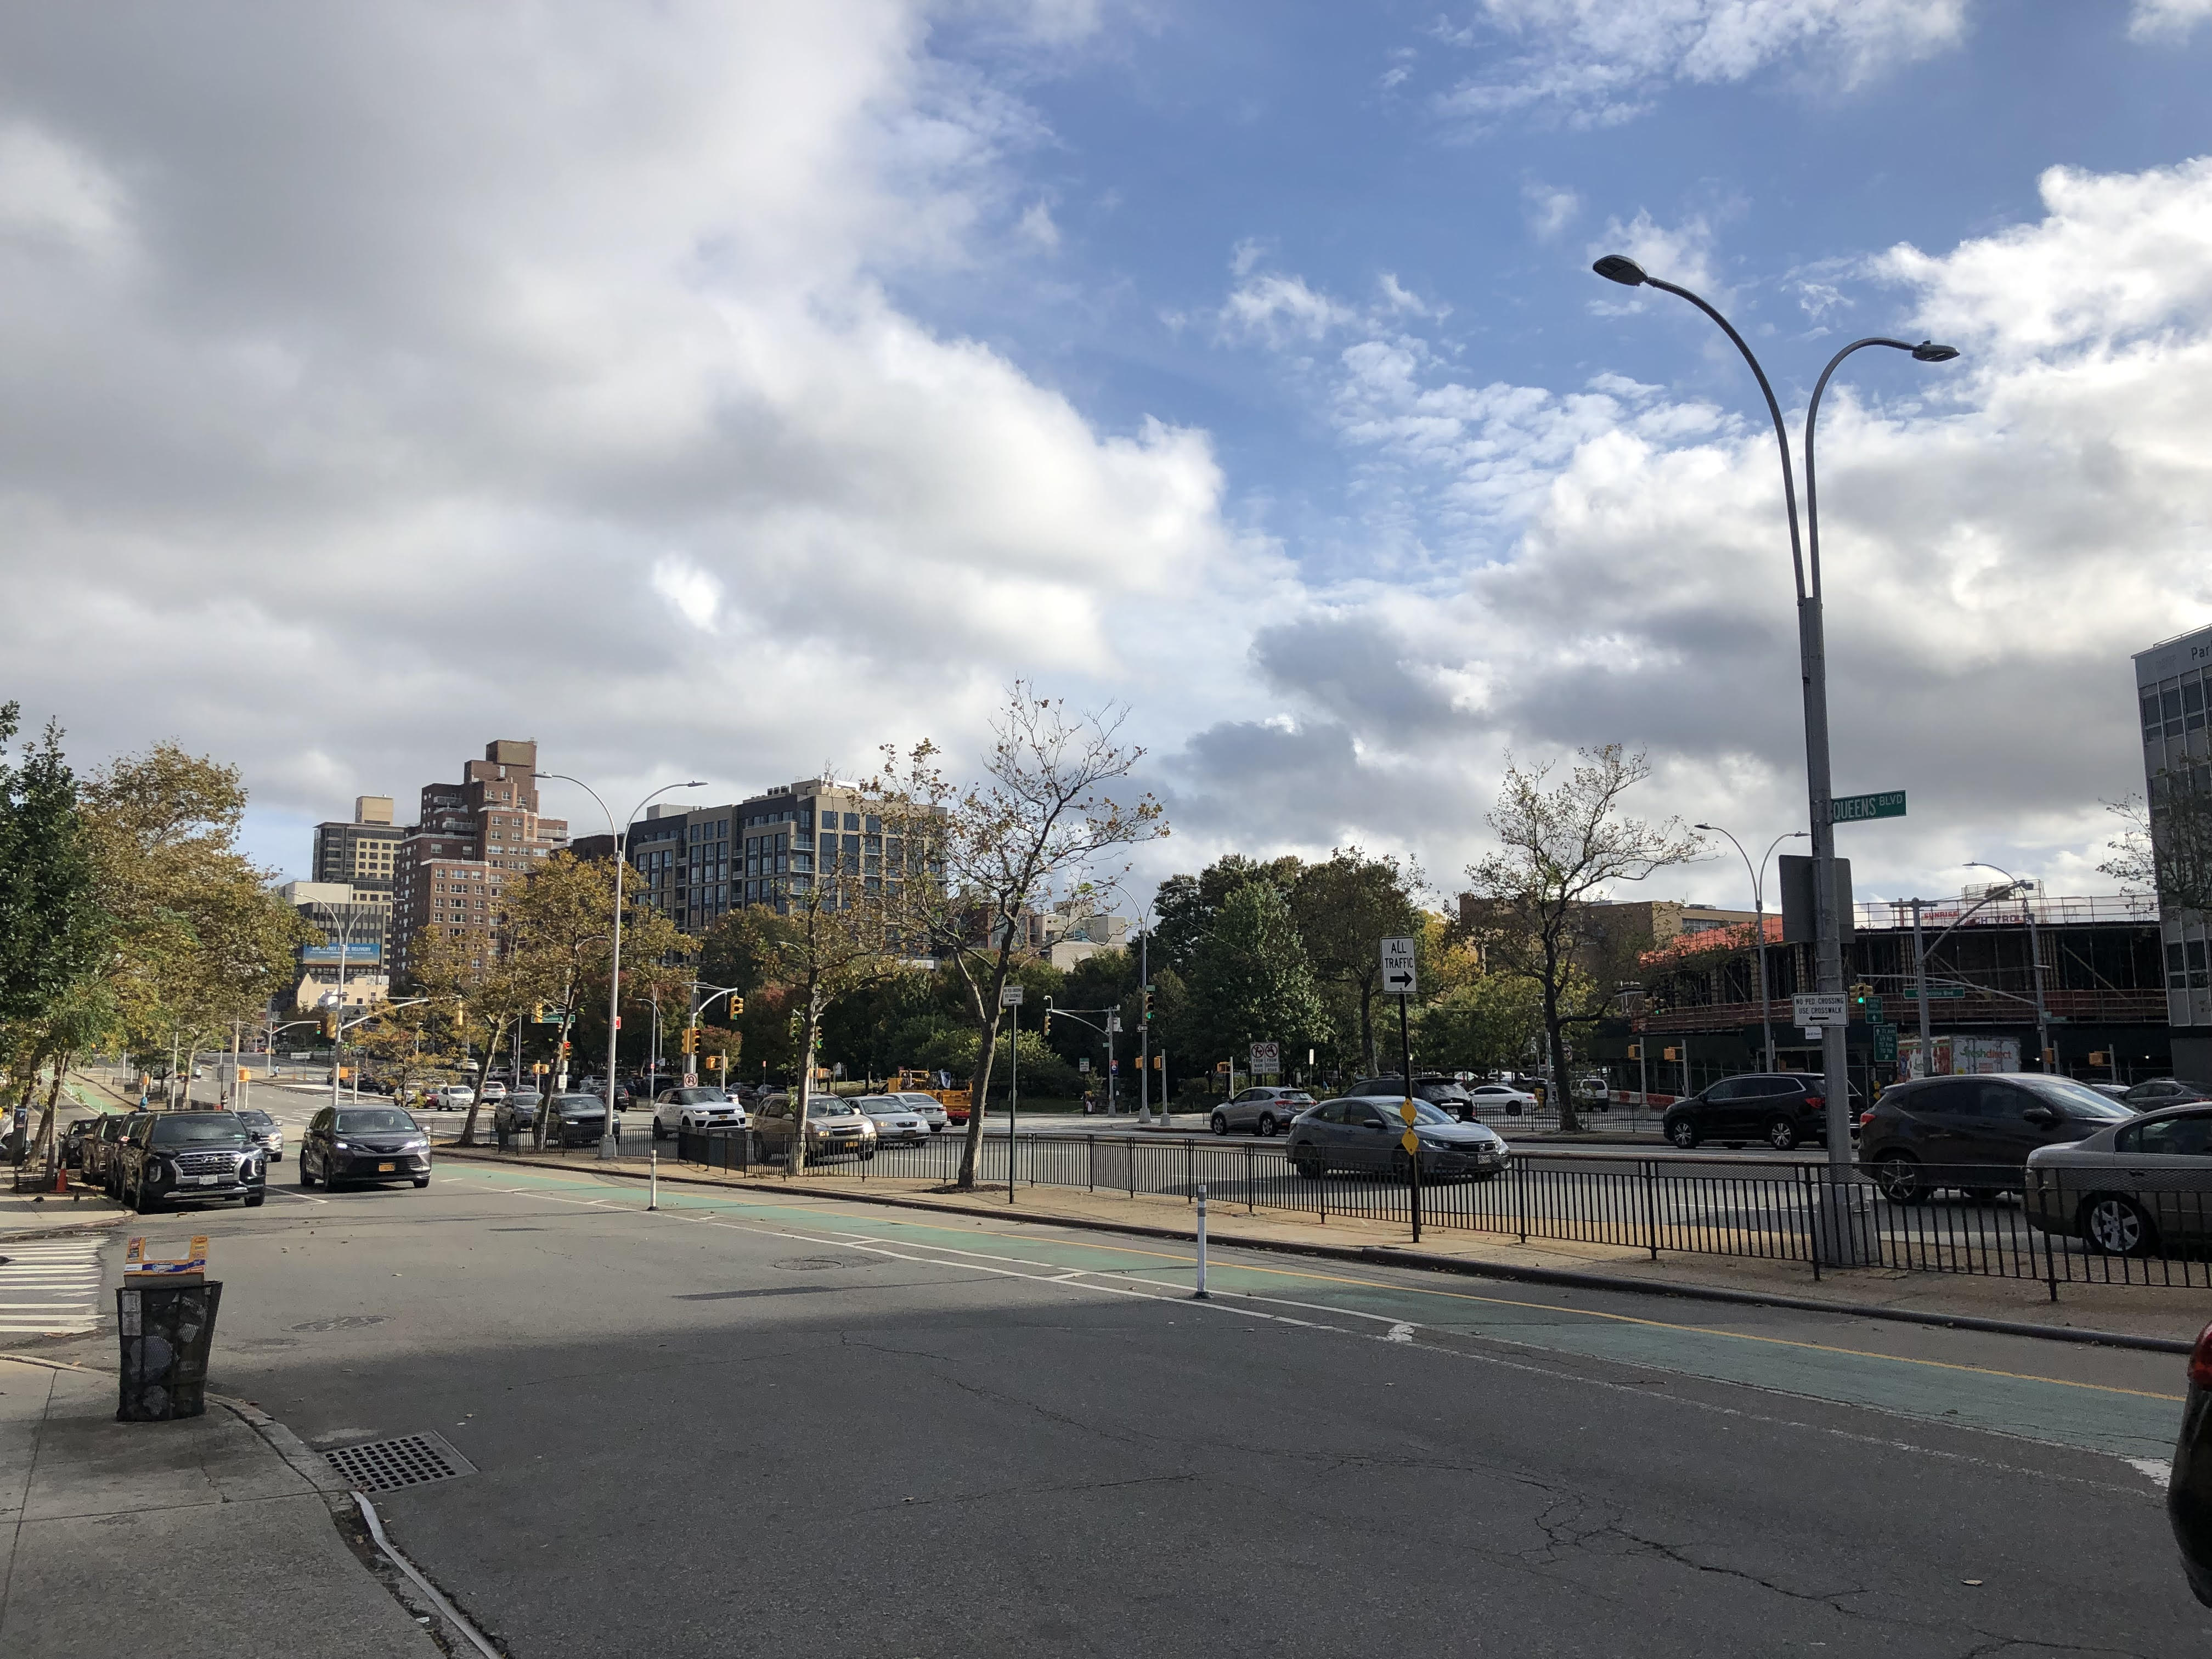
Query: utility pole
x,y
1144,1058
1927,1067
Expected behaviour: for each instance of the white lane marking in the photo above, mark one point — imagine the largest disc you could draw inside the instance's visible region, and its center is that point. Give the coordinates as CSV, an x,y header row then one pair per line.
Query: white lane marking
x,y
2157,1467
1401,1332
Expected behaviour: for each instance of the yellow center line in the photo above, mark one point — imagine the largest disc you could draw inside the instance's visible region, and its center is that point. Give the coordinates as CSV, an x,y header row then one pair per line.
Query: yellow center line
x,y
1534,1307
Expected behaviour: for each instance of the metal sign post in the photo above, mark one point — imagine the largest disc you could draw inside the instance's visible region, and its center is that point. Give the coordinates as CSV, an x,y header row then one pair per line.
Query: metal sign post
x,y
1400,979
1010,999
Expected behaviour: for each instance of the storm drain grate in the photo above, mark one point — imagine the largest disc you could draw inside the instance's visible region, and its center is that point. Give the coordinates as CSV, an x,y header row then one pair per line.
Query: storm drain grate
x,y
410,1460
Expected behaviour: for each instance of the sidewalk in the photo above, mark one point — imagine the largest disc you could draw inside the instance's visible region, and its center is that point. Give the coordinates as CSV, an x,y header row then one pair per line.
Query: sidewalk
x,y
2171,1313
212,1538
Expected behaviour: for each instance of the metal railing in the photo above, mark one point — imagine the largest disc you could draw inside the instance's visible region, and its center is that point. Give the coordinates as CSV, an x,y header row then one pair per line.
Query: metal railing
x,y
2054,1226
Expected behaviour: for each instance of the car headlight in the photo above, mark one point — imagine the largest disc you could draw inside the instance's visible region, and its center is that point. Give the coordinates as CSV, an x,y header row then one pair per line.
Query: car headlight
x,y
417,1146
154,1171
341,1146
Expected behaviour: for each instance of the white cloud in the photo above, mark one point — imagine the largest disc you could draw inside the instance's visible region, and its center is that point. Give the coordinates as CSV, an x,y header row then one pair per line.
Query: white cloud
x,y
1550,209
1596,62
2166,20
1036,224
2000,534
1681,253
1279,309
429,385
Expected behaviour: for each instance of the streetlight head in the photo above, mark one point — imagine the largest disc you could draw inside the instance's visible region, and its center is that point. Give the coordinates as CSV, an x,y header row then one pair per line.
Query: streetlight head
x,y
695,783
1929,352
1702,826
1619,268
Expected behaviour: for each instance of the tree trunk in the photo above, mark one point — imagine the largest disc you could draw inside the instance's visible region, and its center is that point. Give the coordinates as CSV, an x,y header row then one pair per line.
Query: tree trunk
x,y
1562,1090
53,1097
979,1096
483,1073
794,1157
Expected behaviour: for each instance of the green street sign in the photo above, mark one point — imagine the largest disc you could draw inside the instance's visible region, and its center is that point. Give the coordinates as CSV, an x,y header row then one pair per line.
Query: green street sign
x,y
1857,809
1885,1043
1941,993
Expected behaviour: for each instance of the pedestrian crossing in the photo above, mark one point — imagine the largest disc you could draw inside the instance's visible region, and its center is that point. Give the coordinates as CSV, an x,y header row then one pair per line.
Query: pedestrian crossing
x,y
50,1287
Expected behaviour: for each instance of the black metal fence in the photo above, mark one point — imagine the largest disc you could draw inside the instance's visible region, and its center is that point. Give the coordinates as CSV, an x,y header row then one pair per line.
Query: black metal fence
x,y
2056,1227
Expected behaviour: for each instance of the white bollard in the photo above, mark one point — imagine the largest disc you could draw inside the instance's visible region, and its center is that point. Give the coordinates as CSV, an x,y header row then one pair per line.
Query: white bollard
x,y
653,1201
1199,1294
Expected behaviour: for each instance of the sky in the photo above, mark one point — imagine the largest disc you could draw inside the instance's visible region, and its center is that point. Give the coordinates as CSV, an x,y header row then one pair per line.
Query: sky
x,y
723,391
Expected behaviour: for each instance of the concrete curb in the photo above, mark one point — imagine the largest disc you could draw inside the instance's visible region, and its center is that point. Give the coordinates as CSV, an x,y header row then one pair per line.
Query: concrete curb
x,y
68,1230
1383,1256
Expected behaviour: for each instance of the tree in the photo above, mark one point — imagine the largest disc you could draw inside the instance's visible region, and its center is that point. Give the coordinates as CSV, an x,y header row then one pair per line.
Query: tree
x,y
2167,850
1345,906
1185,906
1560,846
1251,981
202,938
1033,831
1492,1023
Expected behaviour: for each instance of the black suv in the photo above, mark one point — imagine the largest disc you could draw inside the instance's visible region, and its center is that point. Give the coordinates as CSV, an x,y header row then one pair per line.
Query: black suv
x,y
1438,1089
1779,1108
1974,1133
189,1158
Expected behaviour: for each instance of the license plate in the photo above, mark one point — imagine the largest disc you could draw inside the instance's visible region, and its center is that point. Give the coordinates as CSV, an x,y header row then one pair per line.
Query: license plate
x,y
207,1181
385,1168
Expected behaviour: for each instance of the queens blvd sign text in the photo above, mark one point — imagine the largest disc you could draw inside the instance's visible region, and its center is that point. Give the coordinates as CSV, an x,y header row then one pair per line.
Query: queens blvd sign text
x,y
1856,809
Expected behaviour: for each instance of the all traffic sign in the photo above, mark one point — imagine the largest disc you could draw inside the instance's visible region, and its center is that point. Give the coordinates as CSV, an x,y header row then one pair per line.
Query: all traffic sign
x,y
1398,977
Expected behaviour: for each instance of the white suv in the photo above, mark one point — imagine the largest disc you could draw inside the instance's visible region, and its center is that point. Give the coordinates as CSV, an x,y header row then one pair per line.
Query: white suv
x,y
696,1108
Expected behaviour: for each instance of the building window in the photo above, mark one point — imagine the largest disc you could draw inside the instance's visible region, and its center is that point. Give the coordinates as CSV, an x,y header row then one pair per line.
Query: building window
x,y
852,820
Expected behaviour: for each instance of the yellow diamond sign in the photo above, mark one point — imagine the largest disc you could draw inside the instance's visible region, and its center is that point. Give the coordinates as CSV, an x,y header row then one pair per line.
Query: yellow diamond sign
x,y
1410,1141
1407,1111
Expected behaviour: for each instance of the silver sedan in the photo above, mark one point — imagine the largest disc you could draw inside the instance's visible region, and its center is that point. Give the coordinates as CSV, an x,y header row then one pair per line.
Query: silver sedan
x,y
929,1108
896,1122
2139,1188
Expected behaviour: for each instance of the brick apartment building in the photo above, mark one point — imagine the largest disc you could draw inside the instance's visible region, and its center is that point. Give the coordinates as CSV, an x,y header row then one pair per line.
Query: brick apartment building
x,y
472,838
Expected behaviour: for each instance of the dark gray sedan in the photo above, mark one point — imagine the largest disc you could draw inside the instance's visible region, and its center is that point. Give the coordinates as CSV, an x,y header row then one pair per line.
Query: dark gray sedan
x,y
2141,1188
1355,1133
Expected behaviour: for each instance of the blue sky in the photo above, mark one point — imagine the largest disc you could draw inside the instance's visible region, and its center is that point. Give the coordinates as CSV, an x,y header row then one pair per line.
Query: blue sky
x,y
723,391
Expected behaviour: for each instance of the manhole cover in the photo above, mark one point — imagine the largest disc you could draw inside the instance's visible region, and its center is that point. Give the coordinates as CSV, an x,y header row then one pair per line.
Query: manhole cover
x,y
412,1460
815,1264
343,1322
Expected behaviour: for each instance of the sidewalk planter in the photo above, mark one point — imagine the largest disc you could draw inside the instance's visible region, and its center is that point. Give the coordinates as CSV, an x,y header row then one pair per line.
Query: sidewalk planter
x,y
166,1331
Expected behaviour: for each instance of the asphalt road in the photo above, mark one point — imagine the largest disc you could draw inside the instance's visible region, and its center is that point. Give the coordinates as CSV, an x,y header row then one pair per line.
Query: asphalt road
x,y
747,1426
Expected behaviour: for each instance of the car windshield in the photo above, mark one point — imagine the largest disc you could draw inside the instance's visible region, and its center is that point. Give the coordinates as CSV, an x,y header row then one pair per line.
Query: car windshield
x,y
185,1126
829,1109
375,1121
257,1117
2075,1099
577,1105
880,1105
698,1096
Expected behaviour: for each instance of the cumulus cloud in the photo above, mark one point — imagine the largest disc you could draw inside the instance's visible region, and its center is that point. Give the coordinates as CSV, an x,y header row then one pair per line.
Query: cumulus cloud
x,y
1597,62
2166,20
1550,209
1999,534
309,373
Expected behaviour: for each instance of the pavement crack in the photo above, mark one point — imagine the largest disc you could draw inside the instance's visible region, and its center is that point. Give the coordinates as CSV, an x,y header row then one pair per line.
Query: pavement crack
x,y
1030,1489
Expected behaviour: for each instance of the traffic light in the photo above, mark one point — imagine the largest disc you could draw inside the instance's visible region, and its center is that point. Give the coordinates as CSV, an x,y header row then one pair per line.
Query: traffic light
x,y
2100,1057
1048,1017
1861,995
1148,1002
1635,1051
689,1042
737,1006
1670,1054
460,1016
713,1063
331,1024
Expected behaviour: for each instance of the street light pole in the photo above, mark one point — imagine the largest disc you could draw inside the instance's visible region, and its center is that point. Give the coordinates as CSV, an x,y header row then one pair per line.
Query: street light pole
x,y
1759,913
610,1137
2044,1055
1811,652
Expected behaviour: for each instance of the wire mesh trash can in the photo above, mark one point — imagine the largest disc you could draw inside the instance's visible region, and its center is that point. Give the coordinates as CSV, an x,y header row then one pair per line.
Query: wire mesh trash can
x,y
166,1331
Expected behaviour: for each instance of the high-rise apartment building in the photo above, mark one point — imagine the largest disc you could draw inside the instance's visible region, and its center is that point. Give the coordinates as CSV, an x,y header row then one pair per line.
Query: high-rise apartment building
x,y
473,839
349,964
361,851
2173,685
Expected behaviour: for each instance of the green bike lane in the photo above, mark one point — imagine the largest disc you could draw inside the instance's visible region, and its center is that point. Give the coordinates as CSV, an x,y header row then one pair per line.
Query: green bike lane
x,y
2124,1405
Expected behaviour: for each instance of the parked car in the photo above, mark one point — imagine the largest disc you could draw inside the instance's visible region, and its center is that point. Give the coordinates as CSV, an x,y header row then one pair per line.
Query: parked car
x,y
575,1119
2134,1187
73,1138
346,1143
832,1128
494,1091
1592,1090
1439,1089
929,1108
518,1112
688,1109
1265,1111
1974,1133
1365,1133
2189,1486
100,1149
171,1158
2155,1092
1493,1099
894,1119
267,1132
1779,1108
453,1097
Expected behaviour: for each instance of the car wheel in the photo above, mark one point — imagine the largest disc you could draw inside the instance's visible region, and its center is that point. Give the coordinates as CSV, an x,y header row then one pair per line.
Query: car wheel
x,y
144,1202
255,1201
660,1130
1683,1133
1981,1195
1309,1169
2114,1225
1781,1134
1220,1124
1268,1124
306,1176
1898,1175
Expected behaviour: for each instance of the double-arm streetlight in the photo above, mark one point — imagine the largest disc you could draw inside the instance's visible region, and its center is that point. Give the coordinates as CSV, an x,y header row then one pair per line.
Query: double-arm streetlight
x,y
2021,890
1827,944
611,1138
1759,912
